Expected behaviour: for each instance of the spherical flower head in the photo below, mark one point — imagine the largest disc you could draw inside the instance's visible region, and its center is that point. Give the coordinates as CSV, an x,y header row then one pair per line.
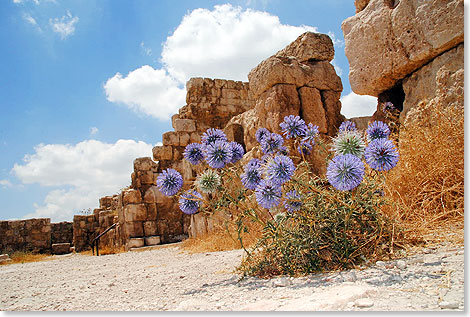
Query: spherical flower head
x,y
271,143
237,151
218,154
293,127
169,182
280,169
268,195
283,150
347,126
305,148
311,133
388,106
190,202
349,142
213,135
293,201
252,164
194,153
377,130
345,172
381,155
251,178
261,133
208,182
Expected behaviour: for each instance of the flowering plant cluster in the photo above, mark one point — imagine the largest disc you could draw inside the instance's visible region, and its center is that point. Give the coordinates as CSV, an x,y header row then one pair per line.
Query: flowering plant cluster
x,y
279,191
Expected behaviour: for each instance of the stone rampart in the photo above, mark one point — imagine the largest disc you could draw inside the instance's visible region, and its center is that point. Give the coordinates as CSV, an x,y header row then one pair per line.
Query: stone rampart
x,y
25,235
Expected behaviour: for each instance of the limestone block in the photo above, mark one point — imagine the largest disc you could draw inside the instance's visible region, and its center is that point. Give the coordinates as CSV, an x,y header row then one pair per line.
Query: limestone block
x,y
150,195
153,240
135,243
195,137
360,5
135,212
134,229
385,42
184,125
150,228
184,138
162,229
173,118
332,106
146,177
178,153
288,70
250,122
131,196
312,108
423,84
162,152
144,164
4,258
105,202
310,46
198,226
151,211
170,138
60,248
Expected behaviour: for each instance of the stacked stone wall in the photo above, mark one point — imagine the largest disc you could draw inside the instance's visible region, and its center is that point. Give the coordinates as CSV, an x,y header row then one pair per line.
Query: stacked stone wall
x,y
62,232
25,235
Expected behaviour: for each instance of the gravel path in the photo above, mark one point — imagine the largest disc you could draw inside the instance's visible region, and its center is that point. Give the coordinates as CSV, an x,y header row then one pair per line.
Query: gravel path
x,y
168,279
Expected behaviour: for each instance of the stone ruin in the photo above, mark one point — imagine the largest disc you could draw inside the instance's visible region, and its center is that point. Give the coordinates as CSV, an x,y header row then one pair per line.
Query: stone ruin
x,y
402,51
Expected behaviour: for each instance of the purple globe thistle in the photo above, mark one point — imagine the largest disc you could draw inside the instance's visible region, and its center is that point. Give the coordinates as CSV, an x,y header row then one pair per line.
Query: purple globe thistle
x,y
271,143
305,148
388,106
377,130
283,150
293,127
349,142
251,177
311,133
280,169
345,172
293,201
237,151
218,154
347,126
194,153
213,135
190,202
268,195
381,155
261,133
252,164
169,182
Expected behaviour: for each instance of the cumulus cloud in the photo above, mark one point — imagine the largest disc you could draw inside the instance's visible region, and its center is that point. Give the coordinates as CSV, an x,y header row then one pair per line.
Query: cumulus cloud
x,y
5,183
353,105
94,130
65,26
147,90
78,174
226,42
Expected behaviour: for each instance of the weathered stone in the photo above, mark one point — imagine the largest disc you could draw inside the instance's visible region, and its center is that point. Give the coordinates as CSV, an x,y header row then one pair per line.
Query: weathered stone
x,y
423,84
332,106
310,47
150,228
146,177
170,138
153,240
195,137
312,108
198,225
60,248
249,123
184,125
105,202
134,229
131,196
361,122
135,212
184,138
360,5
150,195
4,258
288,70
385,42
162,152
144,164
136,243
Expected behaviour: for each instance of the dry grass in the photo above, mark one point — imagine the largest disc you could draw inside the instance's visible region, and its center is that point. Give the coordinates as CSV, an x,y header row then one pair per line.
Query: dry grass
x,y
26,257
105,250
427,185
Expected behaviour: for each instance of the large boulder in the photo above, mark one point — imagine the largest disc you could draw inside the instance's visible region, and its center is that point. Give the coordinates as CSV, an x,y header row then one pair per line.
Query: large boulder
x,y
388,40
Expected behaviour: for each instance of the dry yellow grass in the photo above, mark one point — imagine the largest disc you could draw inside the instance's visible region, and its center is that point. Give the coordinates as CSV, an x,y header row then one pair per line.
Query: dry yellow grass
x,y
26,257
105,250
427,185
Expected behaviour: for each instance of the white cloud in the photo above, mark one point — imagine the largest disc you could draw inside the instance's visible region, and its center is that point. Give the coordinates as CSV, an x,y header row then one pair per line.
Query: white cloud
x,y
147,90
226,42
5,183
84,172
65,26
353,105
147,51
29,19
94,130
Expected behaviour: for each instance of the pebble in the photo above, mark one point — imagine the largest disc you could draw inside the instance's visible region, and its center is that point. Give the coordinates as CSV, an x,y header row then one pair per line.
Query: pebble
x,y
401,264
449,305
363,303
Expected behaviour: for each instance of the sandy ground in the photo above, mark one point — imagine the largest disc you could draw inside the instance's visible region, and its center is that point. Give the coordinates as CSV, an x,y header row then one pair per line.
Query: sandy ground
x,y
169,279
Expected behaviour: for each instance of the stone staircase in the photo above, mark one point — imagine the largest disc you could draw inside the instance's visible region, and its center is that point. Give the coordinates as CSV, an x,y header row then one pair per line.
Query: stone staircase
x,y
143,243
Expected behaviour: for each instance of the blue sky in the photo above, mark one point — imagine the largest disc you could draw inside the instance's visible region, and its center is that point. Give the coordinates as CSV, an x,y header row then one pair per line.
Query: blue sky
x,y
87,86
